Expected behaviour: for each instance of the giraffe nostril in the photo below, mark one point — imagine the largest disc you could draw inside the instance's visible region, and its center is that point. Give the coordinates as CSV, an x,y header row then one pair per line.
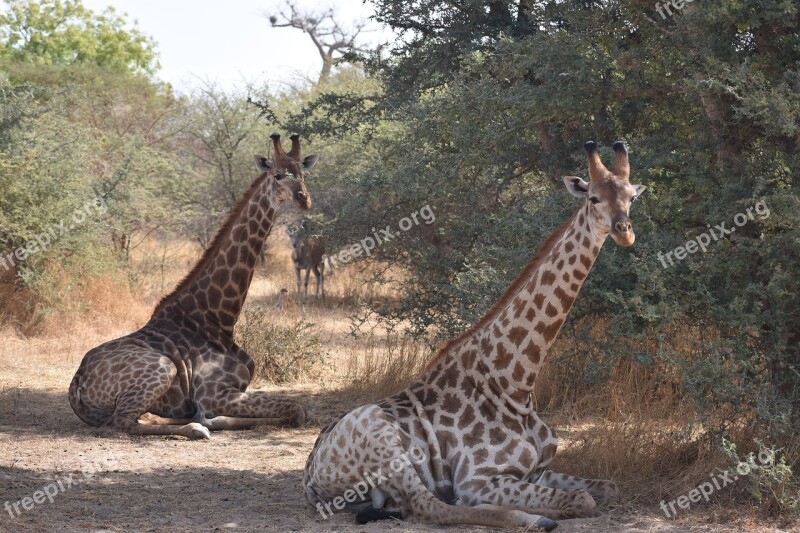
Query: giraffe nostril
x,y
622,227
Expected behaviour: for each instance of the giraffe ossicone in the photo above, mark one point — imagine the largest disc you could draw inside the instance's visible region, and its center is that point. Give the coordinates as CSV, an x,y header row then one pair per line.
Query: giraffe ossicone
x,y
182,373
470,411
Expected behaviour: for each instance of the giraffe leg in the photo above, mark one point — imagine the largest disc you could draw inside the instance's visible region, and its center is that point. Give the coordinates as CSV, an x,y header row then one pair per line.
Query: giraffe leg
x,y
601,490
431,509
150,419
376,456
242,410
308,274
134,401
297,295
510,492
120,384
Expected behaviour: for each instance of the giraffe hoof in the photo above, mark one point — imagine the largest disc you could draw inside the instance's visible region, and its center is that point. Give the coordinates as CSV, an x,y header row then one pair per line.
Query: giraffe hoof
x,y
198,431
546,524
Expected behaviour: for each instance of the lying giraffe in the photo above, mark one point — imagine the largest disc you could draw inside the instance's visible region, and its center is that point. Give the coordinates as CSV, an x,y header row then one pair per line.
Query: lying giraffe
x,y
182,374
469,414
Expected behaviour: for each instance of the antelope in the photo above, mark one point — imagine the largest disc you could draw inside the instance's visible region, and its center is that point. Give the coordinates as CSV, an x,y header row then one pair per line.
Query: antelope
x,y
308,253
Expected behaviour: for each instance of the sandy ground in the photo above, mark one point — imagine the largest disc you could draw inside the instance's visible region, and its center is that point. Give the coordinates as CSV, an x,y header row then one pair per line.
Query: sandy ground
x,y
239,481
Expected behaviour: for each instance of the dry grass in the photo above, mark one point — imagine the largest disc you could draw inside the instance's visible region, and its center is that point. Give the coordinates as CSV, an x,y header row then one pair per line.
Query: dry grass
x,y
635,429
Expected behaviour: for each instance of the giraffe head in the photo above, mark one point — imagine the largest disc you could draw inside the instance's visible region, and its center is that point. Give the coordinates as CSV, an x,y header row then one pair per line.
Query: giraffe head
x,y
609,194
288,171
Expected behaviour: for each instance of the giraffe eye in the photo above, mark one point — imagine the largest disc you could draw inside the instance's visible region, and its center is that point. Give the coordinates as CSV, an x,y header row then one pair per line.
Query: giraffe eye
x,y
594,200
279,177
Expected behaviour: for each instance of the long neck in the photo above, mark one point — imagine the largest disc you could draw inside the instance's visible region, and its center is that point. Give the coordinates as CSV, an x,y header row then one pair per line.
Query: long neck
x,y
213,293
509,345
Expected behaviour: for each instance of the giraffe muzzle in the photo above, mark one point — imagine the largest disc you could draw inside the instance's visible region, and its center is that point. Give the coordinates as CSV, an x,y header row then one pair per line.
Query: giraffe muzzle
x,y
303,200
623,232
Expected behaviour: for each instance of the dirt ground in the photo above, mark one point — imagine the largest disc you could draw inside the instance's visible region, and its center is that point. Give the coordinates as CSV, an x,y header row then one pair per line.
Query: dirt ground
x,y
239,481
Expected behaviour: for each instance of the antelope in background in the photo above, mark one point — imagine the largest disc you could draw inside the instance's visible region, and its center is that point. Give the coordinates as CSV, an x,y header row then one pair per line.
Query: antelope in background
x,y
308,253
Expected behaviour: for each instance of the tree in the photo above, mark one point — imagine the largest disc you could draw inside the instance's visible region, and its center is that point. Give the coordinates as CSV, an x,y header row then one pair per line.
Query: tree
x,y
332,40
64,32
483,105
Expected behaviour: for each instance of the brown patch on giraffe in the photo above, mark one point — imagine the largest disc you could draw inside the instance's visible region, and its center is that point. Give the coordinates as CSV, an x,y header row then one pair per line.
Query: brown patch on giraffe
x,y
504,357
572,259
586,262
497,436
505,454
548,452
538,300
564,298
519,372
480,455
533,352
467,417
451,403
551,331
430,397
474,437
551,311
548,278
448,378
579,275
517,335
519,306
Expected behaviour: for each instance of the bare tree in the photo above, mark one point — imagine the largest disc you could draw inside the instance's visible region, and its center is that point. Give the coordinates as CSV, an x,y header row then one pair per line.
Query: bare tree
x,y
331,39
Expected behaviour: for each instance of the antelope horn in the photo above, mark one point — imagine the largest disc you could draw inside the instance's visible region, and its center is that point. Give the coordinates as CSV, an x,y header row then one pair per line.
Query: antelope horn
x,y
597,170
276,140
294,153
622,167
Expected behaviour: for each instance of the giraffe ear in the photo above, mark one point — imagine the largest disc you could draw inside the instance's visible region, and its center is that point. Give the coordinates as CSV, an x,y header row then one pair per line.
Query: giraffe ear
x,y
576,186
309,161
262,163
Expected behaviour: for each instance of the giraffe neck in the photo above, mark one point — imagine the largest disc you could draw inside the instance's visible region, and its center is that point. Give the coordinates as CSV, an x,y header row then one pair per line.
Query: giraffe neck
x,y
507,348
213,293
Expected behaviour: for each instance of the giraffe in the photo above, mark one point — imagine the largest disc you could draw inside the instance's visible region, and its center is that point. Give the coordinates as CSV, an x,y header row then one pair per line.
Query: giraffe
x,y
182,373
463,442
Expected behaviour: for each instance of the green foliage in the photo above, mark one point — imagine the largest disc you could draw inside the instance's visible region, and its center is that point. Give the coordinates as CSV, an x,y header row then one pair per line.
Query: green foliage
x,y
484,105
769,479
64,32
282,352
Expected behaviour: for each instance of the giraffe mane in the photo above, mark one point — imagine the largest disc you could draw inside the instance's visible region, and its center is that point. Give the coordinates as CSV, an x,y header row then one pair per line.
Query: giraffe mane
x,y
507,295
216,242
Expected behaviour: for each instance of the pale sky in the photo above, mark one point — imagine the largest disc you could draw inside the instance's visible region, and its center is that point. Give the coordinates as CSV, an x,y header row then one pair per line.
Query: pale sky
x,y
232,41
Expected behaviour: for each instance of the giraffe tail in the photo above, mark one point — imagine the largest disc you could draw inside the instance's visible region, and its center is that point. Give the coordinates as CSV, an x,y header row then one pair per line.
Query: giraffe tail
x,y
77,406
370,514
